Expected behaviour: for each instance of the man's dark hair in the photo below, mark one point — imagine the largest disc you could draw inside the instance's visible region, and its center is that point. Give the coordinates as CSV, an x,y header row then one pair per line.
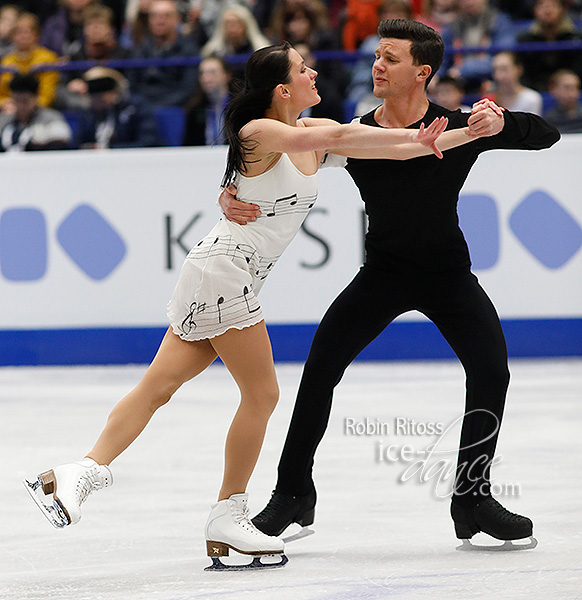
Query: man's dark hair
x,y
427,45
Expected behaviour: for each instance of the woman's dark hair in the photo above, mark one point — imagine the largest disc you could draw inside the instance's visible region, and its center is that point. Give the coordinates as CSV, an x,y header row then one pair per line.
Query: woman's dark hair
x,y
427,45
265,70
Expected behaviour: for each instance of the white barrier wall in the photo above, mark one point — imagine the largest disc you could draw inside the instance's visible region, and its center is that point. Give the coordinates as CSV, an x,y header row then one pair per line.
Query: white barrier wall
x,y
96,239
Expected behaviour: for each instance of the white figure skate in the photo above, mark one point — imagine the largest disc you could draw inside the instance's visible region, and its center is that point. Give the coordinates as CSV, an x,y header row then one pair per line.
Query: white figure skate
x,y
229,527
60,492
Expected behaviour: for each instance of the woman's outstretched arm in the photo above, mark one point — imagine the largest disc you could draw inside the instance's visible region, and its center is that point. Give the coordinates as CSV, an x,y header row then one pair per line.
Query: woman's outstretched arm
x,y
486,120
271,136
446,141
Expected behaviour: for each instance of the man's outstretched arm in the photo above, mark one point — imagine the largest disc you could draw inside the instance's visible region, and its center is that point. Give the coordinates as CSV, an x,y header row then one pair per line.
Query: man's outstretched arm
x,y
523,131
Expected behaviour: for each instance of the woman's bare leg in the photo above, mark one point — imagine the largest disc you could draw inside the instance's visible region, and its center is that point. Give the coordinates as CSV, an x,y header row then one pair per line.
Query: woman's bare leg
x,y
176,362
247,355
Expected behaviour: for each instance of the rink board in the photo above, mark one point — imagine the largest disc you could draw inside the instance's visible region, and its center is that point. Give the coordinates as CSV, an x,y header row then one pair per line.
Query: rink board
x,y
91,245
401,341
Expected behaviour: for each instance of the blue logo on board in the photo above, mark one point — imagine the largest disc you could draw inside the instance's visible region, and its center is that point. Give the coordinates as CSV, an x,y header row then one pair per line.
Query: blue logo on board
x,y
541,224
89,240
479,220
546,230
23,244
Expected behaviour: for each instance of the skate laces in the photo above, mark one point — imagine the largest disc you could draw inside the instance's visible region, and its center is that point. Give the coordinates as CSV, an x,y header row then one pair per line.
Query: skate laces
x,y
277,504
89,481
241,516
501,512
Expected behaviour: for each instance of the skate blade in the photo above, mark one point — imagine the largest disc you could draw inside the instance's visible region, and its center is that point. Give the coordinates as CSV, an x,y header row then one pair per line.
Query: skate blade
x,y
48,506
507,546
255,565
302,533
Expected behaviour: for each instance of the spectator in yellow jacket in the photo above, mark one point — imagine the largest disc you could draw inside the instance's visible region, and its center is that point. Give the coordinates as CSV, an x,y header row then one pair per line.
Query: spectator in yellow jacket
x,y
26,56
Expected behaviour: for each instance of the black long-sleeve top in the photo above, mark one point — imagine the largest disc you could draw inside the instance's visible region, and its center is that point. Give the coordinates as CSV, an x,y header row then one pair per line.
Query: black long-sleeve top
x,y
412,204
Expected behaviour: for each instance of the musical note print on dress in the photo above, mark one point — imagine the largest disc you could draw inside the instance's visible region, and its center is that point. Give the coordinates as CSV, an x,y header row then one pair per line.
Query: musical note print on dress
x,y
222,246
207,316
222,275
245,294
264,266
218,303
288,205
290,200
189,323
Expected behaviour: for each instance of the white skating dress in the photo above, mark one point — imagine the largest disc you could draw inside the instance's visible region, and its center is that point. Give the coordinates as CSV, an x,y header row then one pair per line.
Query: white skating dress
x,y
222,275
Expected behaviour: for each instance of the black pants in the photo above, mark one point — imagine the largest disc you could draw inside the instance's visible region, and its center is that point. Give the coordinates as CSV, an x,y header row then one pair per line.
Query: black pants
x,y
467,319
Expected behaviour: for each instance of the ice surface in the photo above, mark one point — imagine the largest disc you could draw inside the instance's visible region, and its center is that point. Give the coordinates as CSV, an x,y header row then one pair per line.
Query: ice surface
x,y
375,538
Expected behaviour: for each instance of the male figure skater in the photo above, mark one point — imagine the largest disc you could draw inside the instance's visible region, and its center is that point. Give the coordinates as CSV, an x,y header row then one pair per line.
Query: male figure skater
x,y
416,259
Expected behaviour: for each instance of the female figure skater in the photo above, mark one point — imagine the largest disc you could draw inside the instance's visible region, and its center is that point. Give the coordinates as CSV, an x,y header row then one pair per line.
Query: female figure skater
x,y
273,159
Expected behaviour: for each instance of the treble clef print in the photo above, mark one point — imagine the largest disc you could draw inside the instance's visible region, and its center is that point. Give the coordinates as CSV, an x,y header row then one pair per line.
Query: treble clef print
x,y
188,324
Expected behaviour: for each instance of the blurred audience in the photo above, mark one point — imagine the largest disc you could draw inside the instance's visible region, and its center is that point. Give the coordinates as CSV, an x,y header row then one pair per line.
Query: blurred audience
x,y
205,113
448,92
36,32
368,103
63,32
566,115
29,126
477,24
99,43
27,55
41,8
164,85
552,24
302,22
438,13
263,12
517,9
114,119
99,36
508,89
118,9
136,22
135,29
207,13
329,88
9,14
192,25
361,22
236,32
